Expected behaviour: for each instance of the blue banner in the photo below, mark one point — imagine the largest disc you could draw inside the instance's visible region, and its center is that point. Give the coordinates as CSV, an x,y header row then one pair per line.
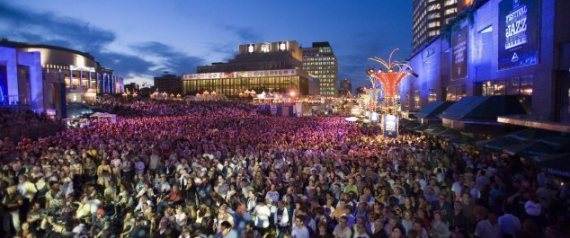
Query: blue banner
x,y
519,29
459,42
3,86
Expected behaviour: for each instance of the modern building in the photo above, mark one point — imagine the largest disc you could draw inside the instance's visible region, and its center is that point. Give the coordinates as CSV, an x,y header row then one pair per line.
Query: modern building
x,y
320,62
430,16
345,87
67,76
270,67
499,47
21,78
168,83
131,87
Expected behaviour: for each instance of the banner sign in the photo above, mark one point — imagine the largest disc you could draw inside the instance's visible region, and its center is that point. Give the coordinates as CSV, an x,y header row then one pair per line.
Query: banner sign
x,y
518,33
390,126
3,85
459,58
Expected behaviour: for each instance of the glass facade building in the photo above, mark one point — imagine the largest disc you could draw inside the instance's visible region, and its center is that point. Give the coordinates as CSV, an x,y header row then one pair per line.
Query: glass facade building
x,y
232,84
498,50
269,67
429,16
320,62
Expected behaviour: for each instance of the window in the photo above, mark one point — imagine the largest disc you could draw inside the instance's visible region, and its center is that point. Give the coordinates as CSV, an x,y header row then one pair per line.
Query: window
x,y
450,2
513,86
450,11
432,95
417,99
455,92
494,88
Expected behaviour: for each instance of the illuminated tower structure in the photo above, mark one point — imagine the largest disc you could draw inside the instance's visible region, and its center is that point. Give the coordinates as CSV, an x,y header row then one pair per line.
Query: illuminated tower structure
x,y
394,72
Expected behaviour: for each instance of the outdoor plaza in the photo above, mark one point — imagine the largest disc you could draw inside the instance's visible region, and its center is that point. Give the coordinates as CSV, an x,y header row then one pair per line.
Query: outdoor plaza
x,y
218,168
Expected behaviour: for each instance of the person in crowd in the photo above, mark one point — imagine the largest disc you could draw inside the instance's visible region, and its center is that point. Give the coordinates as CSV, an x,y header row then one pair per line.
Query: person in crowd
x,y
201,169
299,229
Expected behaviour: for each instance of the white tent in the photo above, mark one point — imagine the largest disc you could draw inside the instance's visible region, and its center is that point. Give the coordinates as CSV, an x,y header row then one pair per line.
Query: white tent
x,y
104,116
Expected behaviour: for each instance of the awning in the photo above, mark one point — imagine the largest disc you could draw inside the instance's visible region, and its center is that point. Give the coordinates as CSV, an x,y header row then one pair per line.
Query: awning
x,y
433,109
455,136
435,130
516,148
500,143
530,121
482,108
556,164
557,141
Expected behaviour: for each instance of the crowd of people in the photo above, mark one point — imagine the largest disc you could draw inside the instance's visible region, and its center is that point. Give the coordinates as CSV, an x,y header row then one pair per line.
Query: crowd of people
x,y
18,122
217,169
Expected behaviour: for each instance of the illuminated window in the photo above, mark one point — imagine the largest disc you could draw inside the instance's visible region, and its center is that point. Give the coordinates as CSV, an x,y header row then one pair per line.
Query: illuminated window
x,y
451,2
450,11
417,99
432,95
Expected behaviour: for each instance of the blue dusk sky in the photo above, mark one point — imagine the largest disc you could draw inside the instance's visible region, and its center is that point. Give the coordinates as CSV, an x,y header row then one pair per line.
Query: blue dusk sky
x,y
141,39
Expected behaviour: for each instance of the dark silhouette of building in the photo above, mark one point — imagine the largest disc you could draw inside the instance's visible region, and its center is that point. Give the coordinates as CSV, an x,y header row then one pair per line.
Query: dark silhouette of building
x,y
169,83
345,87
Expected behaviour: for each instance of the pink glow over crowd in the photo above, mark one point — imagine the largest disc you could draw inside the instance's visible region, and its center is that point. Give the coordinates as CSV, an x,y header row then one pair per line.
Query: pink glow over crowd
x,y
218,169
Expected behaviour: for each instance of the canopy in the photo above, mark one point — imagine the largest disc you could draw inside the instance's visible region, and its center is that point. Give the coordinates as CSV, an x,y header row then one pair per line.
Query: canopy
x,y
556,164
483,108
102,115
433,109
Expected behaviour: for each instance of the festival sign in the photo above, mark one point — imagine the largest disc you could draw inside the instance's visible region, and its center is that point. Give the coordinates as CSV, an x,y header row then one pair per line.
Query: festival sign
x,y
518,33
459,58
390,126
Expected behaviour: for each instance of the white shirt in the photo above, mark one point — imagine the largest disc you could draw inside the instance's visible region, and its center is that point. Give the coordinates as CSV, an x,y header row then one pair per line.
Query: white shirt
x,y
456,188
262,213
338,232
300,232
27,190
154,159
116,163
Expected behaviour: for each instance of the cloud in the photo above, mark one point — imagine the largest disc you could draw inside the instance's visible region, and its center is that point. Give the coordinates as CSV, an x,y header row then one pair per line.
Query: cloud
x,y
244,34
52,28
171,59
46,28
354,63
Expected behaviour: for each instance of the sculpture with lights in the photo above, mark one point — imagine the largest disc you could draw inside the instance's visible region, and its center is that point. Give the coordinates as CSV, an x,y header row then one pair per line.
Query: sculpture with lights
x,y
390,77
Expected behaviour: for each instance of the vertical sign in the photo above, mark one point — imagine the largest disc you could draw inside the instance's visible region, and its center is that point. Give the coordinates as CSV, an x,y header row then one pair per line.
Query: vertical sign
x,y
3,85
518,33
459,58
390,126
